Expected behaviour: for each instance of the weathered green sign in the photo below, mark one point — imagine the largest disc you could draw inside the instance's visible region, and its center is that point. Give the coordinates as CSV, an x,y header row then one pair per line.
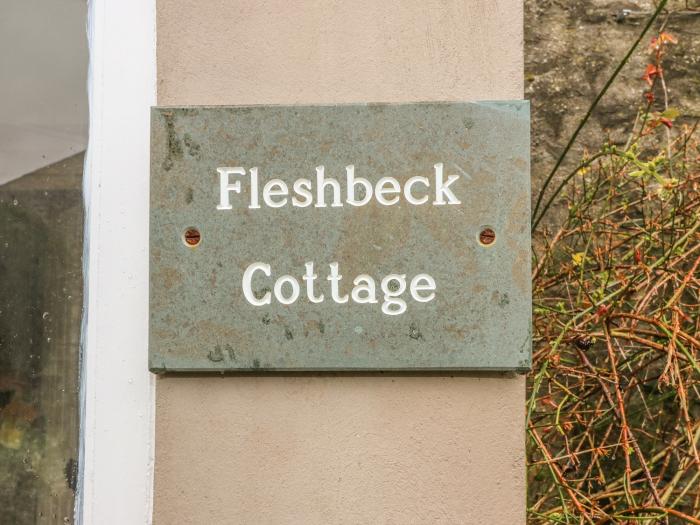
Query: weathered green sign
x,y
352,237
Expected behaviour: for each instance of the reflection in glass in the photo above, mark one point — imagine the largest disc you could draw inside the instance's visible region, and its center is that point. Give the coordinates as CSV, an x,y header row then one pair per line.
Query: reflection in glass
x,y
43,124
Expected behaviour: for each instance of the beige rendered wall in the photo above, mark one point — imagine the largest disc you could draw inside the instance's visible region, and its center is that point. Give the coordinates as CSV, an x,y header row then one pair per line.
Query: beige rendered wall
x,y
334,448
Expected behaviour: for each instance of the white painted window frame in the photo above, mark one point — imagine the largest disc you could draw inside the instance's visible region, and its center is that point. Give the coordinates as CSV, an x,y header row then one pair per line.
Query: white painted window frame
x,y
117,391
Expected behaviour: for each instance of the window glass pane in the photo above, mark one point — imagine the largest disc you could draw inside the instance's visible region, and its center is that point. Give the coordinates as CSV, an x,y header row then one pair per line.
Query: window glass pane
x,y
43,133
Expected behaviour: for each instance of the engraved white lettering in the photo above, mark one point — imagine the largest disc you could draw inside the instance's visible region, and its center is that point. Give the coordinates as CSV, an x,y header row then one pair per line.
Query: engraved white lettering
x,y
442,189
225,186
247,284
322,191
286,289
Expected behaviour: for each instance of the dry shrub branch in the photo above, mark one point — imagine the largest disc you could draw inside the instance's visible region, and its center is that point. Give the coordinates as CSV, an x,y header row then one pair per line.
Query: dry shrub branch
x,y
614,403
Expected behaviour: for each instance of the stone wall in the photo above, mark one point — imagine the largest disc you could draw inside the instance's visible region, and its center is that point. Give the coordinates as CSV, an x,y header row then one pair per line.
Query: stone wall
x,y
571,49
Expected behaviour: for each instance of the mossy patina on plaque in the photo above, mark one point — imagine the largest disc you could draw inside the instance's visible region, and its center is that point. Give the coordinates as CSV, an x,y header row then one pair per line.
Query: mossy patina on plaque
x,y
349,237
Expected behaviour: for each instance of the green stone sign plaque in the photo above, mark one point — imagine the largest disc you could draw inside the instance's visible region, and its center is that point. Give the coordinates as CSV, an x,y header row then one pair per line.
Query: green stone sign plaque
x,y
350,237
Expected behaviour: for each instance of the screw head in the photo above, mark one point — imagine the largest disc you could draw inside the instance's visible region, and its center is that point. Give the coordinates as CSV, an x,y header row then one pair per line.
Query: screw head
x,y
487,236
192,237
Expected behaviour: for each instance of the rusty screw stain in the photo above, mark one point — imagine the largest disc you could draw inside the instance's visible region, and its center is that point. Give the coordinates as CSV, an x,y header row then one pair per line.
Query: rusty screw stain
x,y
487,236
192,237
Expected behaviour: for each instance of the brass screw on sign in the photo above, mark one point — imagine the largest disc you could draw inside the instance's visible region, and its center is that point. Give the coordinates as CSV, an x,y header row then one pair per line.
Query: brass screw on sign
x,y
192,237
487,236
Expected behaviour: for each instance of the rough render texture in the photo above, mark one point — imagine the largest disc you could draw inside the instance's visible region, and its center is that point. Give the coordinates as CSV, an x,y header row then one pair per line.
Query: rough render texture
x,y
571,48
340,449
319,449
319,51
